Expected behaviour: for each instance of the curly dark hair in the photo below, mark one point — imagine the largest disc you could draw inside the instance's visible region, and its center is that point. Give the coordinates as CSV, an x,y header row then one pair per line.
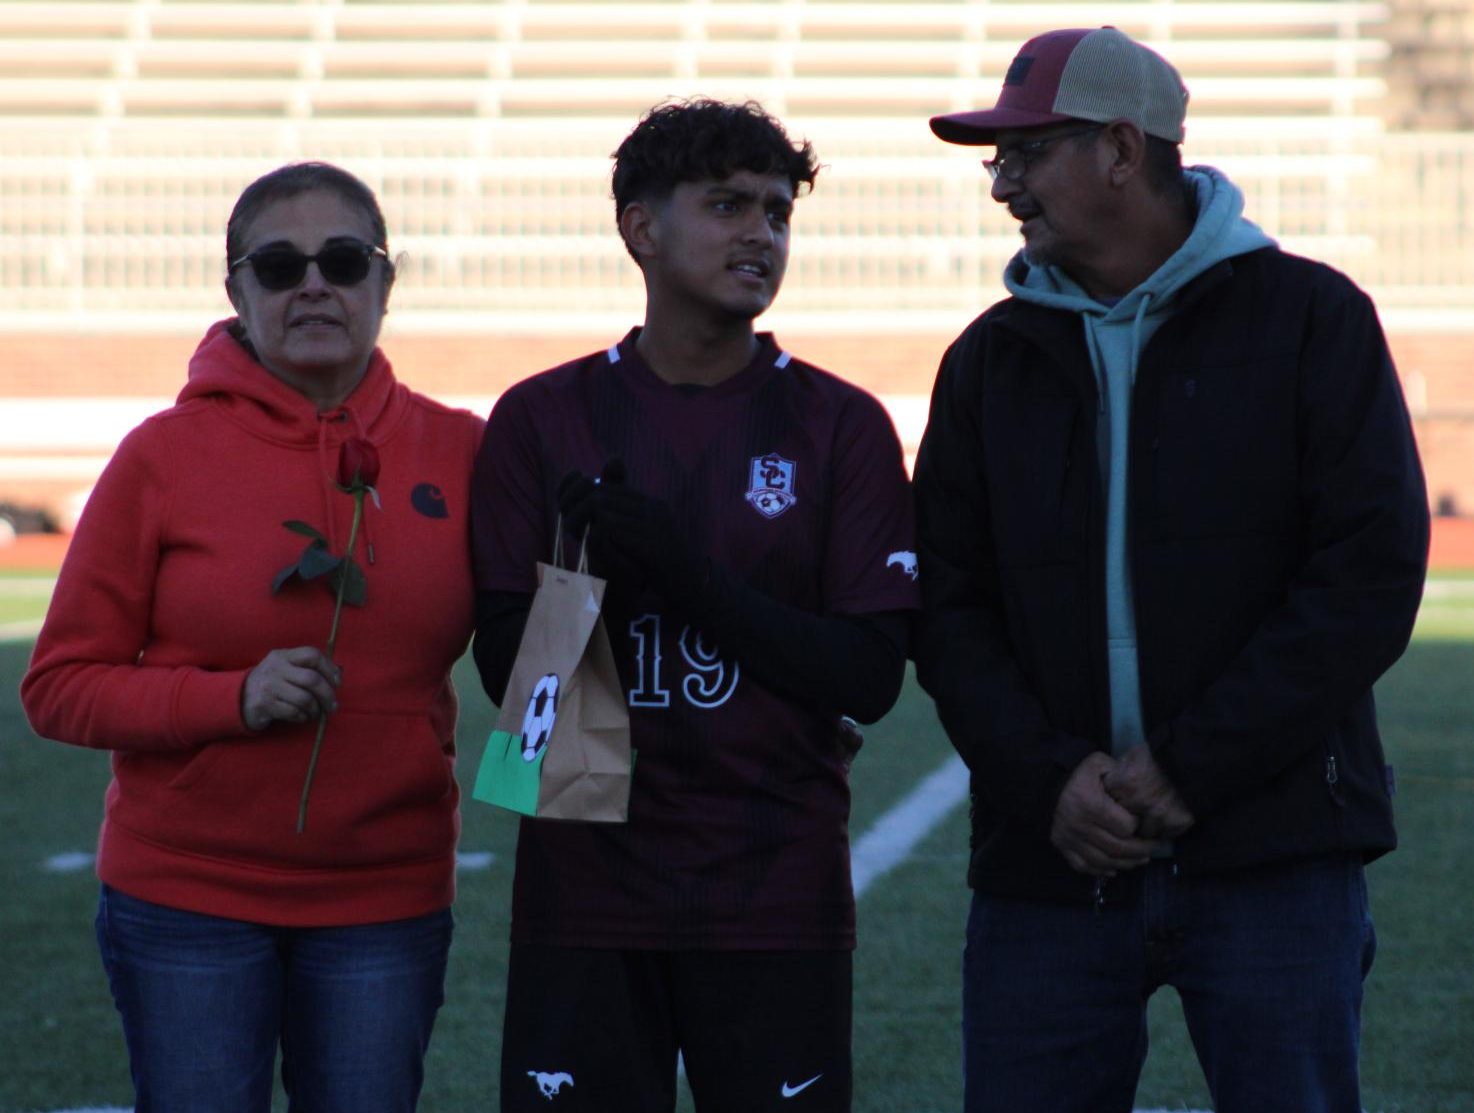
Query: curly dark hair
x,y
693,140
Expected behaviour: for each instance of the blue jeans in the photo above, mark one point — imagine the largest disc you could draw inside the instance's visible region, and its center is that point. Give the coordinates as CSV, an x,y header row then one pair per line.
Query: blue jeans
x,y
1269,964
205,1002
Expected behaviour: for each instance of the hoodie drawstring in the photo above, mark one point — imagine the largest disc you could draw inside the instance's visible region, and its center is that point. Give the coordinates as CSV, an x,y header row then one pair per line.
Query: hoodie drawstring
x,y
1141,312
1097,361
326,474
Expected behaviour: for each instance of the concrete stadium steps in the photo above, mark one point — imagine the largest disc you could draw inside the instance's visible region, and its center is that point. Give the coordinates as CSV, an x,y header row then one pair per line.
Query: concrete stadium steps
x,y
297,59
486,129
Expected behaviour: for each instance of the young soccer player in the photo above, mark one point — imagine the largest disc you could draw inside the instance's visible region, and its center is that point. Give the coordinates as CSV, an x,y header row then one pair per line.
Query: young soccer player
x,y
752,516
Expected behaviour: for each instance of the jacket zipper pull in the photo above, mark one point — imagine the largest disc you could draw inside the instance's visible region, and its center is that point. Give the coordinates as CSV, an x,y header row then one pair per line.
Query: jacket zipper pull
x,y
1331,775
1097,896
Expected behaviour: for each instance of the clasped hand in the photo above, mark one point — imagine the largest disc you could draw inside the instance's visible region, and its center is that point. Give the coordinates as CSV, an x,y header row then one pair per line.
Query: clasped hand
x,y
1112,813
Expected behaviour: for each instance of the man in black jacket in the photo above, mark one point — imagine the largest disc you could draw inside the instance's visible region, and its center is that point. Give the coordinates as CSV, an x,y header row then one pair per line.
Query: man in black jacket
x,y
1172,528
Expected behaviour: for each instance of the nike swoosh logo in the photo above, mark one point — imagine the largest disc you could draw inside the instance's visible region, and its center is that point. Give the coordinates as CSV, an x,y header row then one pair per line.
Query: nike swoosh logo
x,y
789,1091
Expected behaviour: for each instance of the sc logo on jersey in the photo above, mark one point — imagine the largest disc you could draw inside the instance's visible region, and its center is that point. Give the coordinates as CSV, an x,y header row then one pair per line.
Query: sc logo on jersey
x,y
770,484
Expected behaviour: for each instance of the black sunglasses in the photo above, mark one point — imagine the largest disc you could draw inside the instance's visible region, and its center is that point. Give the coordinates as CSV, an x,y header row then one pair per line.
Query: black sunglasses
x,y
345,263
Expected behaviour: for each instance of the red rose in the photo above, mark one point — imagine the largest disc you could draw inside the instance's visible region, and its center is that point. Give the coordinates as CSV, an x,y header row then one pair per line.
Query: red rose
x,y
358,471
358,464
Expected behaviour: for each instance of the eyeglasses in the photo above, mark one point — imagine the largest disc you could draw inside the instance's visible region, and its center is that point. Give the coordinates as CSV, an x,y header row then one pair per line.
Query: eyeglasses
x,y
1013,163
345,263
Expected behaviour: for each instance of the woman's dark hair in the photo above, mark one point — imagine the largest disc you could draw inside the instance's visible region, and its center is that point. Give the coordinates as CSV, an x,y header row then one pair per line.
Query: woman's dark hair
x,y
298,178
693,140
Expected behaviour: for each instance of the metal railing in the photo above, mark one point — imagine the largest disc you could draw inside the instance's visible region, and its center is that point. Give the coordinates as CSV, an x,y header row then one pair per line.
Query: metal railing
x,y
485,128
898,222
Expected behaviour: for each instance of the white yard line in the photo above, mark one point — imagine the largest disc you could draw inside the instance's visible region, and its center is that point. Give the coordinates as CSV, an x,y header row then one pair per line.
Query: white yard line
x,y
474,860
28,587
895,834
24,587
20,631
71,861
1448,589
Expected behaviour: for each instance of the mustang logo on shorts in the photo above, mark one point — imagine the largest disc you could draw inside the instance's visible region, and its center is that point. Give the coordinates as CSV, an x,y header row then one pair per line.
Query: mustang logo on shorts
x,y
770,484
549,1084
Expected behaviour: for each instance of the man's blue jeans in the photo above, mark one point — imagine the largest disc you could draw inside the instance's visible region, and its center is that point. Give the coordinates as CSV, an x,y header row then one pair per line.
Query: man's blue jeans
x,y
1269,964
205,1002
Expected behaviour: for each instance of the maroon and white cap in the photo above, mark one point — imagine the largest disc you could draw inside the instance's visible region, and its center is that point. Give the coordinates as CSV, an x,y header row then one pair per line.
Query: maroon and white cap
x,y
1095,74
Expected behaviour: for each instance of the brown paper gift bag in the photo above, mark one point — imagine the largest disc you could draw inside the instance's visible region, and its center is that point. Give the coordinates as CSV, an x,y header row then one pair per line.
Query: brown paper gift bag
x,y
561,747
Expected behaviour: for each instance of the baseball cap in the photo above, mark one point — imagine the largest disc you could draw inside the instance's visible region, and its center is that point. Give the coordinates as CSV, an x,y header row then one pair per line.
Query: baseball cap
x,y
1095,74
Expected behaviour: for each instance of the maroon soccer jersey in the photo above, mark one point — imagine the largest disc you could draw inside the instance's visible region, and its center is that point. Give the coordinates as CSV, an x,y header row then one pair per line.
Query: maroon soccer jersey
x,y
787,477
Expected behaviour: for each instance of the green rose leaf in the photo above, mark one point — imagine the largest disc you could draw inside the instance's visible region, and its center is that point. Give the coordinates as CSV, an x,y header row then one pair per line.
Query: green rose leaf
x,y
283,576
305,530
355,583
317,561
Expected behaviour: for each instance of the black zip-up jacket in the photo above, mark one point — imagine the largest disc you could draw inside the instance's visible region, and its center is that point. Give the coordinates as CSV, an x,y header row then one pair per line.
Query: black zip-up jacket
x,y
1278,535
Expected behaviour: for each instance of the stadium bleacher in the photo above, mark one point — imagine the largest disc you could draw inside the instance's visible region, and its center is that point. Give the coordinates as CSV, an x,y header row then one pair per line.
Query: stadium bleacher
x,y
487,126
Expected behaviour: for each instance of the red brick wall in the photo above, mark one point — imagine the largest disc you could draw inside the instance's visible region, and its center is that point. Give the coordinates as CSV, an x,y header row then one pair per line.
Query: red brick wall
x,y
86,366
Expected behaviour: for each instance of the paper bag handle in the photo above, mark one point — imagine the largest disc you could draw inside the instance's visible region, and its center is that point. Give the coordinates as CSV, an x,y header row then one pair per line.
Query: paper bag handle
x,y
583,550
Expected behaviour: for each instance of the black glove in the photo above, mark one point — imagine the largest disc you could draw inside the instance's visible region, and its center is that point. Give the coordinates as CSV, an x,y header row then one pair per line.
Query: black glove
x,y
576,494
576,501
634,539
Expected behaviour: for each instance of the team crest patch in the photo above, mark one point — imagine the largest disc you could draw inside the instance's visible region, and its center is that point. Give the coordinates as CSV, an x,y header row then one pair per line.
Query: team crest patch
x,y
770,484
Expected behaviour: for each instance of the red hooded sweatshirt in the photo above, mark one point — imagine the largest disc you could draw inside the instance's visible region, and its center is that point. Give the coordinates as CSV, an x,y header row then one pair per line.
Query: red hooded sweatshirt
x,y
164,605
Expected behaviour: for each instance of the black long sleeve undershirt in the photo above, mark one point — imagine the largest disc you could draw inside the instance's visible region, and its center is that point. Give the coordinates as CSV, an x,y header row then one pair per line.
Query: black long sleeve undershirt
x,y
841,664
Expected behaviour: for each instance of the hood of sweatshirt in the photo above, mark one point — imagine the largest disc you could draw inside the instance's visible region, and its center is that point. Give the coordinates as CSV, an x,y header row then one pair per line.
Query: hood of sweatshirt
x,y
224,372
1220,232
225,369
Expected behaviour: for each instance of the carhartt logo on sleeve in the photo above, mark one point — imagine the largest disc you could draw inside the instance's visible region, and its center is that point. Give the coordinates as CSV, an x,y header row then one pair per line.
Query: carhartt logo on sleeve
x,y
429,501
906,560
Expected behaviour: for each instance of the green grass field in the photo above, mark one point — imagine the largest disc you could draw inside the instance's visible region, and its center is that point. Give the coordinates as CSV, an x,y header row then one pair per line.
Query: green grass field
x,y
60,1046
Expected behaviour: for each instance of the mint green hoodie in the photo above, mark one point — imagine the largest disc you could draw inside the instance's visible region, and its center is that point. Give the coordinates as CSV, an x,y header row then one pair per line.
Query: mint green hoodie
x,y
1115,335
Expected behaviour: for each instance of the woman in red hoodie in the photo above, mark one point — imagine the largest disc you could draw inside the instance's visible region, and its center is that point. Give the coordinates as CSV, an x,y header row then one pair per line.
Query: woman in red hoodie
x,y
226,926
